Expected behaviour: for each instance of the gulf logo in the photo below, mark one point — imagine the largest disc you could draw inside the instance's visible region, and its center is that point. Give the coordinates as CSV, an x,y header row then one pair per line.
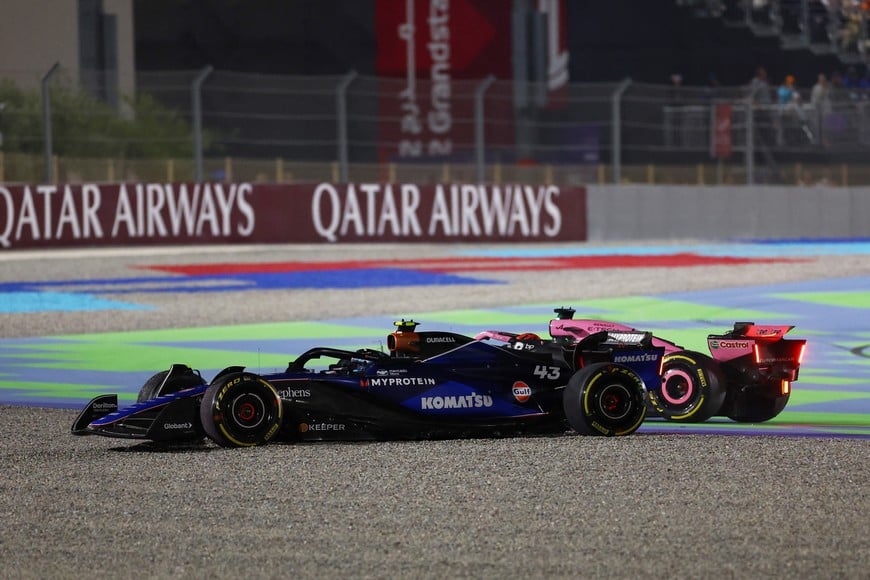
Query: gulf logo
x,y
522,392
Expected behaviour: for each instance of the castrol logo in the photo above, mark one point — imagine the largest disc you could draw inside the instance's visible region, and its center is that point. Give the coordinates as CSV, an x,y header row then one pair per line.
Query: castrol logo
x,y
522,392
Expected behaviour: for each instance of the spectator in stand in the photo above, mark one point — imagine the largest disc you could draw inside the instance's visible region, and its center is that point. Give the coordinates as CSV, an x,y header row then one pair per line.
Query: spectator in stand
x,y
789,108
676,88
820,99
852,82
786,93
759,92
820,95
836,85
759,87
837,122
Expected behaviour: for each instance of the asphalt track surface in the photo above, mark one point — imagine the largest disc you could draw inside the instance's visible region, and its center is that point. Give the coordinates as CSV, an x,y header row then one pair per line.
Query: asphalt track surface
x,y
788,499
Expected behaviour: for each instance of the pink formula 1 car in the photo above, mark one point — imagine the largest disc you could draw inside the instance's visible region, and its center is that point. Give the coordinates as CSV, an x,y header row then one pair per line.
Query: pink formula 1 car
x,y
747,378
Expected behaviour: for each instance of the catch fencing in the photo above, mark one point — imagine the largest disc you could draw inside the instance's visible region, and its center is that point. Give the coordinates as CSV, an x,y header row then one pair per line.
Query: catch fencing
x,y
288,129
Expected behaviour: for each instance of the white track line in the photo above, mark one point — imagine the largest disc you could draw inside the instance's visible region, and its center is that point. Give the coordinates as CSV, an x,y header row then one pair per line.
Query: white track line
x,y
85,253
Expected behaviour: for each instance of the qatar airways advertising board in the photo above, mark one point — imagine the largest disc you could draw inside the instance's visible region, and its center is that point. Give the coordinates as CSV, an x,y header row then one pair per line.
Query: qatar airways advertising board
x,y
51,216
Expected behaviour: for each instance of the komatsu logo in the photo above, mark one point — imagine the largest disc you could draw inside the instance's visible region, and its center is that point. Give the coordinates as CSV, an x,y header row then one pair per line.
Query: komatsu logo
x,y
634,358
472,401
400,382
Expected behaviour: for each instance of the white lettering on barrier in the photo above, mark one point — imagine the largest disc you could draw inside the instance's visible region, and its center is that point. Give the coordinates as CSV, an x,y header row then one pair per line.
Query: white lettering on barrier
x,y
456,210
10,218
50,212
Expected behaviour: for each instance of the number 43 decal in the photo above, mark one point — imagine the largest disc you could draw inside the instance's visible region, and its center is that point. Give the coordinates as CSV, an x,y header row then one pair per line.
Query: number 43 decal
x,y
545,372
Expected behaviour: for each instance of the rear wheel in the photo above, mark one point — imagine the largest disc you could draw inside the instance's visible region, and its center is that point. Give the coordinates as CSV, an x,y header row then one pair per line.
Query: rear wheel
x,y
241,410
605,399
755,407
182,378
692,388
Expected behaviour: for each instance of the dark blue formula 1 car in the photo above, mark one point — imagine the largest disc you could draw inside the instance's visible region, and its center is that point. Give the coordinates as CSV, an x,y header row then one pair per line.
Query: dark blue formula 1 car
x,y
429,385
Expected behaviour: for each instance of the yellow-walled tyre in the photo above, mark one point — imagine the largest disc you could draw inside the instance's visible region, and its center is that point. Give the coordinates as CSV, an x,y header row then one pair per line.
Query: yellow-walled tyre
x,y
605,399
241,410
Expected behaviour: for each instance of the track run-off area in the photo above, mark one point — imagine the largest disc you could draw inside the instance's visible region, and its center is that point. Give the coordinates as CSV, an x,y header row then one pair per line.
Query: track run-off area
x,y
65,370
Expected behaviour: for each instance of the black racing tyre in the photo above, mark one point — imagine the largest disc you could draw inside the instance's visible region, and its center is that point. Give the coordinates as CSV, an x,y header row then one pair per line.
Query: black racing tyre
x,y
605,399
693,388
757,408
178,382
241,410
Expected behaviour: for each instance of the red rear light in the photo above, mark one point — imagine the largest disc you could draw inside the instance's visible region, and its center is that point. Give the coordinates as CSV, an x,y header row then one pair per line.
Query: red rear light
x,y
800,357
757,352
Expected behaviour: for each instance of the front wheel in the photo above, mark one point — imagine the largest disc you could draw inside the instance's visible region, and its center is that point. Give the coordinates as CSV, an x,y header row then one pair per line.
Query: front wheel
x,y
692,388
241,410
605,399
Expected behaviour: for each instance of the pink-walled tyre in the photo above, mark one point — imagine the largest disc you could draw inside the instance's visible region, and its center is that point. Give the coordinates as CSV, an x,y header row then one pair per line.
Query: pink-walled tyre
x,y
692,388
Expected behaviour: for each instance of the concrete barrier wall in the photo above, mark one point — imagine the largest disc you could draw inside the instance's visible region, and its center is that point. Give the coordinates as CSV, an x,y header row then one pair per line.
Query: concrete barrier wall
x,y
637,212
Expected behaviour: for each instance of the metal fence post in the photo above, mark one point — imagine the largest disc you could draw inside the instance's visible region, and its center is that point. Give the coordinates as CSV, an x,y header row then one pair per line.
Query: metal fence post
x,y
479,118
341,120
616,129
750,141
46,122
196,95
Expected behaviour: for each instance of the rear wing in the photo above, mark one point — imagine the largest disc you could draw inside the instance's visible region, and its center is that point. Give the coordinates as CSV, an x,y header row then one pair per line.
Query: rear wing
x,y
759,331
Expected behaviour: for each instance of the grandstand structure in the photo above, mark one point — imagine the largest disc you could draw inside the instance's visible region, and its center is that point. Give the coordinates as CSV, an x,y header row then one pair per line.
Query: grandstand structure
x,y
837,27
667,98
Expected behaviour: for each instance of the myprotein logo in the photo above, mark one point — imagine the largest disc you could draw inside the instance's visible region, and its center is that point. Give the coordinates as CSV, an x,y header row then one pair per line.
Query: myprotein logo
x,y
397,382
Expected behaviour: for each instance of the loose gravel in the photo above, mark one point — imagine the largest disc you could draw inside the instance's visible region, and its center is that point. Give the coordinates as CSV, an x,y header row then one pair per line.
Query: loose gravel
x,y
651,505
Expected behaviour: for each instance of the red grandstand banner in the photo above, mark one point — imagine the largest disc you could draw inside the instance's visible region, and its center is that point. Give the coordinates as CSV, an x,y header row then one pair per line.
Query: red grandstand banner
x,y
436,52
556,14
52,216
